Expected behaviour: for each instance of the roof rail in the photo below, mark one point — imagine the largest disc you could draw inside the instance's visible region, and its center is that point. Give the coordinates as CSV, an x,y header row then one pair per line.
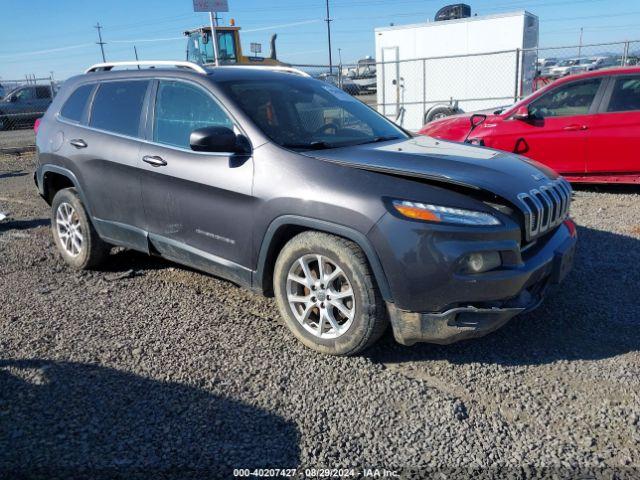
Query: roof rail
x,y
105,67
276,68
109,65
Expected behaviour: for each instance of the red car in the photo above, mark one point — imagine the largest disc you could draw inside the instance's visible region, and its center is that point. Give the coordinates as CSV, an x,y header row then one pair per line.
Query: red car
x,y
586,126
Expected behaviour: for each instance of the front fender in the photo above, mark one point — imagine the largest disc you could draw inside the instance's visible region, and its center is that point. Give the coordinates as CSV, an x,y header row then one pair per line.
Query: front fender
x,y
259,279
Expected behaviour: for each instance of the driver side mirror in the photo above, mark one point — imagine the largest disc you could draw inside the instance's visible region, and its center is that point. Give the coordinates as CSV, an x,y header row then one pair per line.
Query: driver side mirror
x,y
476,119
13,99
218,139
522,113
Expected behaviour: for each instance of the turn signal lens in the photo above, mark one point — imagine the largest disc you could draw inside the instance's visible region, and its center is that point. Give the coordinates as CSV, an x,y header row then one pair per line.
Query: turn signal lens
x,y
417,213
571,226
438,213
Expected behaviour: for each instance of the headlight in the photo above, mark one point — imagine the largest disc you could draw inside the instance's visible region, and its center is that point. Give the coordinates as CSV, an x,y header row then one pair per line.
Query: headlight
x,y
438,213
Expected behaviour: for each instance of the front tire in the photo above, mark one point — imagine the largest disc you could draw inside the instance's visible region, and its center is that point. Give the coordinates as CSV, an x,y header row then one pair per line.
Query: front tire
x,y
78,242
327,294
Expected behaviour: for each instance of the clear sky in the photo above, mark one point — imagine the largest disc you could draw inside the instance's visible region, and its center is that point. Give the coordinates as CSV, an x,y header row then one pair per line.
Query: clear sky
x,y
39,36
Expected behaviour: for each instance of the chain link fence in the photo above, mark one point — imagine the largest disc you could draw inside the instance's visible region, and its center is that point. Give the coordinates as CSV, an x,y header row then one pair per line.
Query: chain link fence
x,y
414,92
23,101
410,92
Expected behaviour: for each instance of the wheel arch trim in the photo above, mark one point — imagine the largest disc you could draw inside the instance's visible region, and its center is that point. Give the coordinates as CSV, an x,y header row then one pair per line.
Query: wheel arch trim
x,y
259,276
65,172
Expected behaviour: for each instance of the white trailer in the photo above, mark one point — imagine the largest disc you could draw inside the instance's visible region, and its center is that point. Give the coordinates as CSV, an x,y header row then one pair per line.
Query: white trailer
x,y
479,62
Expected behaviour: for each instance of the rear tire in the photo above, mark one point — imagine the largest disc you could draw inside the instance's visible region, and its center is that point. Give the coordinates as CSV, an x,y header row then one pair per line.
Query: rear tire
x,y
437,112
339,312
78,242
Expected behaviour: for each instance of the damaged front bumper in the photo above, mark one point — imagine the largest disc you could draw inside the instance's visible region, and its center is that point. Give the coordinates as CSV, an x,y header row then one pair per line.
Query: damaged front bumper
x,y
465,317
459,323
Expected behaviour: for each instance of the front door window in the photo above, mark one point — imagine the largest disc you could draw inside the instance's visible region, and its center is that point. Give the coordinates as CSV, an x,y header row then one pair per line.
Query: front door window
x,y
573,99
182,108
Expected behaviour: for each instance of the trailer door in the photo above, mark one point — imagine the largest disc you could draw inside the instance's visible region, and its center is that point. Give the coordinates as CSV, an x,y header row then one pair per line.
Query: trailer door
x,y
390,82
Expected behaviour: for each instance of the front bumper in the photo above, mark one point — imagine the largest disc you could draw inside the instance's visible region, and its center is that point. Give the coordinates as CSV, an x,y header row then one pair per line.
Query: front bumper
x,y
464,319
460,323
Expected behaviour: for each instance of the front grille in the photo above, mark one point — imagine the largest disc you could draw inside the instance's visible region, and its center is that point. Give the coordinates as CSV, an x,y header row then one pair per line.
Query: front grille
x,y
545,207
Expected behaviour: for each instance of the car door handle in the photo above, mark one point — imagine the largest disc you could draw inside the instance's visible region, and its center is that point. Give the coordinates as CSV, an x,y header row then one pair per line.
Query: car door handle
x,y
575,127
78,143
154,160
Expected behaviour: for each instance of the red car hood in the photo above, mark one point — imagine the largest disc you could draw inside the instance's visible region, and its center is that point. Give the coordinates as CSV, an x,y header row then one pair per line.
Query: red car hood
x,y
455,127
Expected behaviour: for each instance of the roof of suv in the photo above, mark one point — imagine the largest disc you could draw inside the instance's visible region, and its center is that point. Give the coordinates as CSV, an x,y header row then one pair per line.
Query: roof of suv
x,y
230,72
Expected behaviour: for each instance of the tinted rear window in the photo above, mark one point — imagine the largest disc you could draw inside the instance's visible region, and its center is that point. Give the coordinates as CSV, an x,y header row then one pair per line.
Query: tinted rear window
x,y
117,107
626,94
74,106
43,92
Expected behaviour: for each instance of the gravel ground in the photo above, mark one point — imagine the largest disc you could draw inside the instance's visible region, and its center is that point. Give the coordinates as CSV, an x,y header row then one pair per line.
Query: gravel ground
x,y
21,138
147,369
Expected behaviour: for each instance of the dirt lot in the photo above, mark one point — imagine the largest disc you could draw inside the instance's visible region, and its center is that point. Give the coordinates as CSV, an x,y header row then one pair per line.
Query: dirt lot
x,y
16,139
147,367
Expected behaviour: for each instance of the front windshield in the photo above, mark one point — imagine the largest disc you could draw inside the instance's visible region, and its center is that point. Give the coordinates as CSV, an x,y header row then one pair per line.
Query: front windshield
x,y
304,114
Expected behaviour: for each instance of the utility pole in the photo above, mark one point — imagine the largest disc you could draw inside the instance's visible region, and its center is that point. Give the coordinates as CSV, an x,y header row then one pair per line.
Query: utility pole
x,y
580,43
135,51
328,20
213,20
100,42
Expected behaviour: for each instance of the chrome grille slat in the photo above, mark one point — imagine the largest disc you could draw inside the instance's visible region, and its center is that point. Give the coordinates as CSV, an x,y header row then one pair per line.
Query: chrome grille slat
x,y
545,207
539,210
546,211
562,196
551,191
566,198
528,213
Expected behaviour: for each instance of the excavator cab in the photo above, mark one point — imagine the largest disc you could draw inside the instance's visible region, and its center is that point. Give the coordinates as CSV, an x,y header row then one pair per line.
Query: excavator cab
x,y
200,47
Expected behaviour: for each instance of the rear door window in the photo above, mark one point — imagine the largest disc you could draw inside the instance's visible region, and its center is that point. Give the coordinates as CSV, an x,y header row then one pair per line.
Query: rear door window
x,y
625,96
73,108
569,100
182,108
43,92
117,107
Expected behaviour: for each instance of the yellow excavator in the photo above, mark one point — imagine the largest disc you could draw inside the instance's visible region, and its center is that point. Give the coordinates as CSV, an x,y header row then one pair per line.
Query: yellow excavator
x,y
200,47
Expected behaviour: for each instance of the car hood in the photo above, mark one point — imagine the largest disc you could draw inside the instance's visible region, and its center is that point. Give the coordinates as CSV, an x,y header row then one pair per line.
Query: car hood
x,y
455,127
502,173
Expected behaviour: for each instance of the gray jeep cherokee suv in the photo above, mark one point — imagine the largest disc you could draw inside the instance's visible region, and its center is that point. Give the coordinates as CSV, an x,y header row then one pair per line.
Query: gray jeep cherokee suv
x,y
291,187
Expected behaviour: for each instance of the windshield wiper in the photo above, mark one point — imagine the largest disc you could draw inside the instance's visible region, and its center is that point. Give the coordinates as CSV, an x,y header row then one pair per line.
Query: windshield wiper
x,y
308,146
386,138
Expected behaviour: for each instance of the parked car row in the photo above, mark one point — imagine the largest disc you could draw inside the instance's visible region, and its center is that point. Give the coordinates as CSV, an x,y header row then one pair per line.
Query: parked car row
x,y
554,67
585,126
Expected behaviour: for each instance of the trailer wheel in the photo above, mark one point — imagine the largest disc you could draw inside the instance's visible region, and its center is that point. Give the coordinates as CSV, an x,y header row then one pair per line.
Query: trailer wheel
x,y
438,112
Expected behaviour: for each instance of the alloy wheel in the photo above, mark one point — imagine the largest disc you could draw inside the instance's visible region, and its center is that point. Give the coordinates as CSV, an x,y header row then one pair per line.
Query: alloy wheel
x,y
320,296
69,229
